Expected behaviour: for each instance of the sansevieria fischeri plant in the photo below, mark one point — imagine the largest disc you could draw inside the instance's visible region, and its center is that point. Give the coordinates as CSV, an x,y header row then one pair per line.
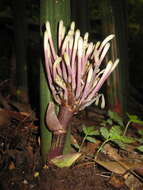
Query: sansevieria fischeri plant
x,y
74,77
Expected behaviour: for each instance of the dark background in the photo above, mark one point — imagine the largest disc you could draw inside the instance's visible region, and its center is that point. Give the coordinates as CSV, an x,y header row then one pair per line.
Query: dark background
x,y
88,17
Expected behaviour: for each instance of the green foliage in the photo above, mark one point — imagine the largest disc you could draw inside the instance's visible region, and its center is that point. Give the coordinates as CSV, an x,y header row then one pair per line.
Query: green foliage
x,y
134,119
140,140
90,131
140,148
140,132
109,121
91,139
115,135
104,132
89,135
115,117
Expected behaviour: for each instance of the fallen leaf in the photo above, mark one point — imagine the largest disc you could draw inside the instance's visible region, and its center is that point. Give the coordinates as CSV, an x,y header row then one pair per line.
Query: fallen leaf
x,y
91,148
36,174
4,118
117,181
11,166
139,171
112,152
112,166
120,166
134,183
65,160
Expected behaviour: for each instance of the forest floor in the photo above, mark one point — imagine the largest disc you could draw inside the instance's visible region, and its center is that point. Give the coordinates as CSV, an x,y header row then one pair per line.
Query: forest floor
x,y
20,160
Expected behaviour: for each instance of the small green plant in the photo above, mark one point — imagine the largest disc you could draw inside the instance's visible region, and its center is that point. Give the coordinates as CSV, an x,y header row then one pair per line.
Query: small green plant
x,y
140,140
132,119
117,133
140,132
89,135
113,117
114,135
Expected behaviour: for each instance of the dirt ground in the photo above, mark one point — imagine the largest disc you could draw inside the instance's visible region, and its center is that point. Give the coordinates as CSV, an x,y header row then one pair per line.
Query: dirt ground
x,y
20,161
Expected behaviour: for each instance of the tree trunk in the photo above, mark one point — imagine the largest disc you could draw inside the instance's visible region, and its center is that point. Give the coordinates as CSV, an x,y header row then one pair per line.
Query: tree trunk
x,y
114,22
20,31
79,13
53,11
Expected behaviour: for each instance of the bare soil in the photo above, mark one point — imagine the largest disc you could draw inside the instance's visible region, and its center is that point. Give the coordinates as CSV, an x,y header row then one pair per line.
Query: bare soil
x,y
20,161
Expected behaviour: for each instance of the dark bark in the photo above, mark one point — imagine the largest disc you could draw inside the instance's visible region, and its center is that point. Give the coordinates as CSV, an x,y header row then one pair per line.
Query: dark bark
x,y
79,14
114,21
20,32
